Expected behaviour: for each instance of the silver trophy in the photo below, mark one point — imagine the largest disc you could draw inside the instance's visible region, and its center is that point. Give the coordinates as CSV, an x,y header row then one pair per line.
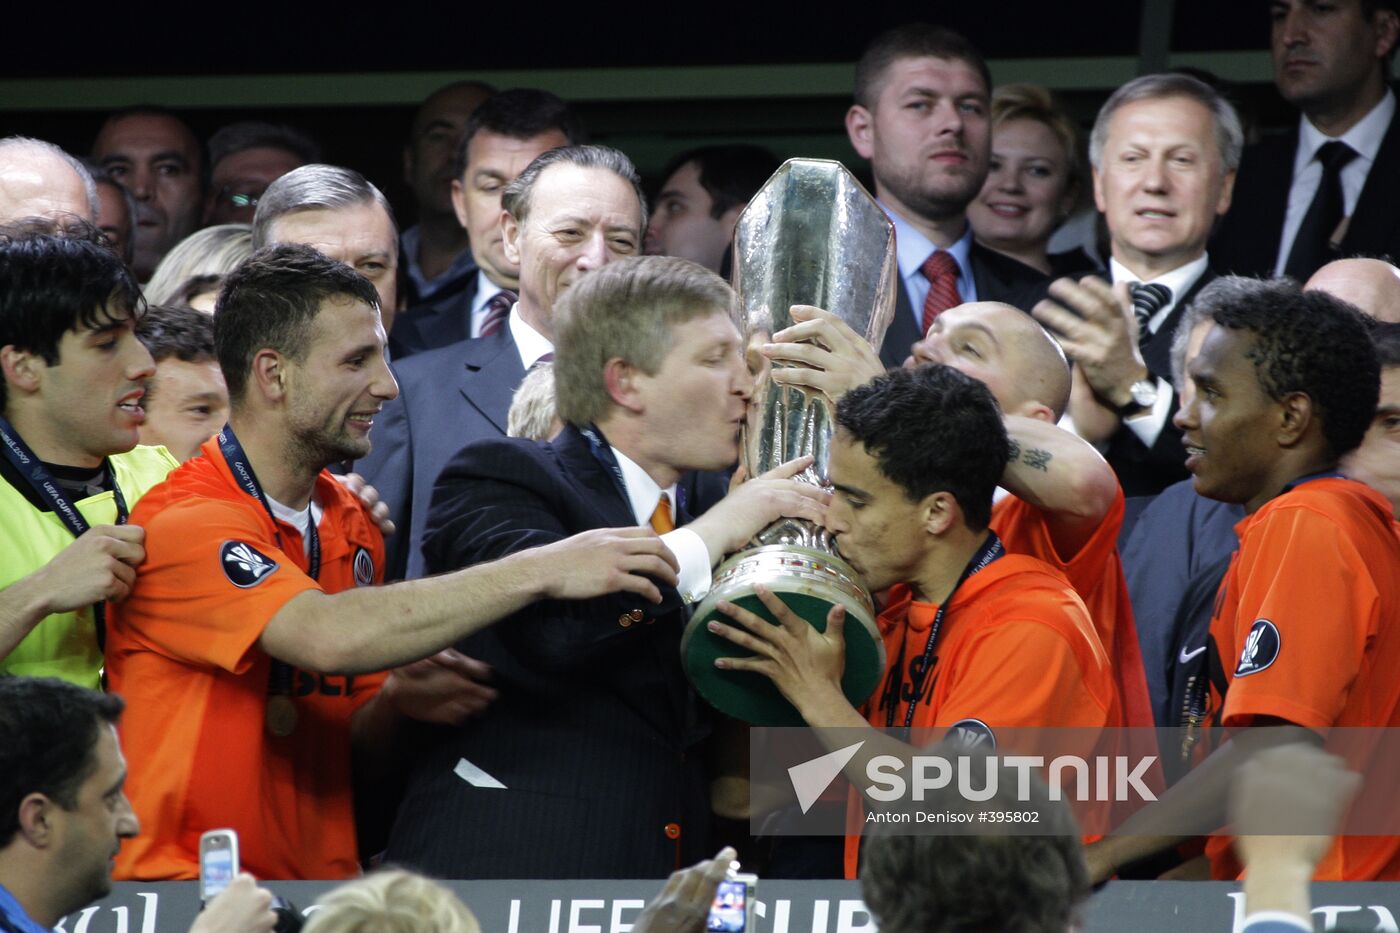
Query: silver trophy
x,y
811,236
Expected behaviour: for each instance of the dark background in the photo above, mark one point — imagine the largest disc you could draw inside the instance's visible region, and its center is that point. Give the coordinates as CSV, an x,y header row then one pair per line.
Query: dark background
x,y
353,75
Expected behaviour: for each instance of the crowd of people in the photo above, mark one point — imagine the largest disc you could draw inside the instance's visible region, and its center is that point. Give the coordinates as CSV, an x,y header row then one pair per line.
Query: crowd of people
x,y
386,539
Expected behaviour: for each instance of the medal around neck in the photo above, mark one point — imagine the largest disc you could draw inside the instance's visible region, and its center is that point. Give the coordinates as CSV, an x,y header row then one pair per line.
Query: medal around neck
x,y
281,715
811,236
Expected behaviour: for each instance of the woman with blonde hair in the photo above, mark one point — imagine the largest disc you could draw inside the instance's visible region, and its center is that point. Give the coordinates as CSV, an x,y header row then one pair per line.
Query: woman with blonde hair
x,y
393,901
211,251
1037,178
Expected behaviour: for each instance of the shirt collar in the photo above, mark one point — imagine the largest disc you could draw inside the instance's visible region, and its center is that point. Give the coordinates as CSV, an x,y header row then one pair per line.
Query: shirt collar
x,y
13,911
1178,280
485,291
913,248
642,491
1365,137
531,343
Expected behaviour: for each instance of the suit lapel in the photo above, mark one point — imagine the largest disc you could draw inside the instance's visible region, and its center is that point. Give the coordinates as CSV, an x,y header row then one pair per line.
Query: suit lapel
x,y
493,372
576,459
903,332
1375,217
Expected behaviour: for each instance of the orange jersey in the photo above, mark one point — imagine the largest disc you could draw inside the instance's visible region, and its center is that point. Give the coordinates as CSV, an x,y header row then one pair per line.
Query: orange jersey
x,y
1017,649
183,651
1307,630
1096,573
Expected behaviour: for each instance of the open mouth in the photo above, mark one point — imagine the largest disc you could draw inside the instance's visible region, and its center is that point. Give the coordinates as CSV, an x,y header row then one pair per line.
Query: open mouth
x,y
131,404
1012,211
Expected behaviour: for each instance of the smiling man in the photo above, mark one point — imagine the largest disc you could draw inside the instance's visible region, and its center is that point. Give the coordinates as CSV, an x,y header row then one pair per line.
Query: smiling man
x,y
587,765
247,649
186,401
1306,627
72,388
1164,151
156,157
921,116
570,211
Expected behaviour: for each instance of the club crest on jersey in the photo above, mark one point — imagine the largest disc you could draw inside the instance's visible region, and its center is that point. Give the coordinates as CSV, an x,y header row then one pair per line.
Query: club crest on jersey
x,y
1260,648
364,567
972,735
245,565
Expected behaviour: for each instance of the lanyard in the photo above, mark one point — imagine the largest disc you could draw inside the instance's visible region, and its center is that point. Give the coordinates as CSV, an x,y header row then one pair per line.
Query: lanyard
x,y
990,550
242,471
279,678
32,469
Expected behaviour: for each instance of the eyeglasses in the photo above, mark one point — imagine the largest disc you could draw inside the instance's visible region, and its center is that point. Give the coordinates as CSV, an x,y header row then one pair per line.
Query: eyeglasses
x,y
239,198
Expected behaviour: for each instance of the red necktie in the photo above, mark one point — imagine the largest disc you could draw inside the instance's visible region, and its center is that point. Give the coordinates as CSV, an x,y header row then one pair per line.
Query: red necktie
x,y
941,270
497,310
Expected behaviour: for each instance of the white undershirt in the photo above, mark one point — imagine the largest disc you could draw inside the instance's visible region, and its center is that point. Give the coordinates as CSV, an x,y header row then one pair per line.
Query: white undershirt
x,y
300,520
688,547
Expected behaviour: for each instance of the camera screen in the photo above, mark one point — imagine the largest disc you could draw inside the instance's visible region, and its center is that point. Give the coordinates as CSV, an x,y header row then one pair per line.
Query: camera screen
x,y
727,912
217,871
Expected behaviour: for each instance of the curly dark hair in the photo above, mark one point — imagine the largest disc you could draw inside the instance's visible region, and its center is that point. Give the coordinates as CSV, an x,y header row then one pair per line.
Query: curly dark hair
x,y
932,429
1308,342
48,729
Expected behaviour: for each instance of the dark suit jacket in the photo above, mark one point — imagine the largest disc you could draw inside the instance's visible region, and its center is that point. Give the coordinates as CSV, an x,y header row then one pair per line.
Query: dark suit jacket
x,y
1247,240
595,729
448,398
438,322
998,278
1145,471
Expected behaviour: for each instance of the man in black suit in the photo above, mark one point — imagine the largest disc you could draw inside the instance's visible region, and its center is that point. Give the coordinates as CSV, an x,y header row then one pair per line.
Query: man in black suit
x,y
502,136
1327,188
1164,150
460,393
586,765
921,116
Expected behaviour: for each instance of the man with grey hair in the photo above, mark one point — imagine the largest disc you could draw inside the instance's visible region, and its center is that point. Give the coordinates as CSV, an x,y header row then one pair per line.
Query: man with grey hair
x,y
338,212
587,765
38,179
246,157
1164,150
570,211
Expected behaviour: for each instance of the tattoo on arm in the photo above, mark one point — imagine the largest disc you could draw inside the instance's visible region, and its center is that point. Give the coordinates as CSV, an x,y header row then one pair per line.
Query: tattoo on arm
x,y
1037,459
1015,449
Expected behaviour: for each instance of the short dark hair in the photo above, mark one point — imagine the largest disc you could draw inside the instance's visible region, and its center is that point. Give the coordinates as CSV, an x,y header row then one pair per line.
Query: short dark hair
x,y
271,300
1305,341
184,333
989,880
253,134
55,278
1385,336
932,429
730,175
520,113
912,40
48,729
156,110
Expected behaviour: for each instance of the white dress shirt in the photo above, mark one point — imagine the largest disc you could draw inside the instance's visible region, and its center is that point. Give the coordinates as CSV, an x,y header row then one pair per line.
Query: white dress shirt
x,y
1148,425
1365,138
530,343
688,547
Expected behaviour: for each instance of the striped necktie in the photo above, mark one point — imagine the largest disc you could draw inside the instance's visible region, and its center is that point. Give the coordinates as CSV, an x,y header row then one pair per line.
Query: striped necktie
x,y
497,310
941,270
1147,301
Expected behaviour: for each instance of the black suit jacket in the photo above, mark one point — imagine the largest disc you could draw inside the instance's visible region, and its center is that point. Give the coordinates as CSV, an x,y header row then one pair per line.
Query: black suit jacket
x,y
595,729
998,278
1247,240
1143,470
440,321
447,398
